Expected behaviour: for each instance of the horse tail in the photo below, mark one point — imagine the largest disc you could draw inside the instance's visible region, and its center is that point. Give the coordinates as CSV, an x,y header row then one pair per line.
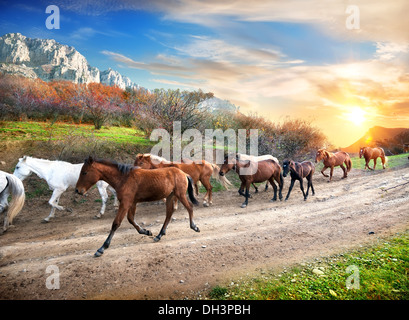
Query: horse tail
x,y
222,179
384,157
190,191
348,162
18,197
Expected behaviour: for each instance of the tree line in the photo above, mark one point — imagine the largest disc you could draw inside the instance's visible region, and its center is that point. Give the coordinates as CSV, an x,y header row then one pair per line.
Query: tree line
x,y
22,98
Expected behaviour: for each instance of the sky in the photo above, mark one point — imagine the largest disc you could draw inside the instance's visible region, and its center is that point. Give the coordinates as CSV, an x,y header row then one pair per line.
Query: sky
x,y
341,65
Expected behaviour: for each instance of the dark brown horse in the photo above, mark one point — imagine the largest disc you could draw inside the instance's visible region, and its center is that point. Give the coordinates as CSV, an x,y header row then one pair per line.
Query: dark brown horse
x,y
373,153
134,185
332,160
253,172
298,171
197,171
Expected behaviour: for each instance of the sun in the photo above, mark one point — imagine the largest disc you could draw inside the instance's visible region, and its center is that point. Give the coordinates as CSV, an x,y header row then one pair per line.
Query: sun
x,y
356,116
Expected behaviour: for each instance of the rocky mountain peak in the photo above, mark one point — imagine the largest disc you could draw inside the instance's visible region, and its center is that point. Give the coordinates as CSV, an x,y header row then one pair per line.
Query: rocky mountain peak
x,y
49,60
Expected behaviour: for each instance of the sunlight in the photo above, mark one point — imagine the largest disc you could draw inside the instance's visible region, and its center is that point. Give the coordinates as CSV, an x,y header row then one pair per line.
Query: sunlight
x,y
356,116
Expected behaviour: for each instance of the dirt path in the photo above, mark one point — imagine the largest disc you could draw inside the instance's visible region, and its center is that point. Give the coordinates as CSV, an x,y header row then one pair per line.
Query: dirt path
x,y
232,241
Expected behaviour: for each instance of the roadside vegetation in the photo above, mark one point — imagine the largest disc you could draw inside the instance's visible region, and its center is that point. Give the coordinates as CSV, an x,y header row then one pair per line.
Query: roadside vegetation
x,y
378,272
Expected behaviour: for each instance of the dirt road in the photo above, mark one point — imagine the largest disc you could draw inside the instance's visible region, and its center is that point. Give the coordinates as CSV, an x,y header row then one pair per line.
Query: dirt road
x,y
233,241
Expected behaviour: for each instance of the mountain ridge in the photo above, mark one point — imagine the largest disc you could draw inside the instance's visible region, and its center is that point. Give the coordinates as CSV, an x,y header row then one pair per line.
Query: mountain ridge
x,y
375,136
49,60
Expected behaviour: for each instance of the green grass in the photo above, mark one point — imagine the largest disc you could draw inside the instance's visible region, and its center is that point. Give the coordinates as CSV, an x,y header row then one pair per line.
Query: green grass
x,y
393,161
383,275
43,131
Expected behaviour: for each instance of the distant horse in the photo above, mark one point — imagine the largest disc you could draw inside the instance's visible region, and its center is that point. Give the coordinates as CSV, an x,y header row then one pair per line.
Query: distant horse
x,y
134,185
298,171
60,175
197,171
242,156
262,170
10,184
373,153
332,160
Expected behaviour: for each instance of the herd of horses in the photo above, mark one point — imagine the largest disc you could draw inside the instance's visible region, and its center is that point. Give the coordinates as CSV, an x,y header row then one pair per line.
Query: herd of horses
x,y
152,178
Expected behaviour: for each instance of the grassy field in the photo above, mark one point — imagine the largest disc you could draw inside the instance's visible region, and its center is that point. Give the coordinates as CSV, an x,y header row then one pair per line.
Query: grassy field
x,y
379,272
43,131
392,161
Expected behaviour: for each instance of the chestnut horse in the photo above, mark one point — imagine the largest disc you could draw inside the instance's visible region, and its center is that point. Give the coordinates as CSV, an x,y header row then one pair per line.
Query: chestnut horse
x,y
332,160
298,171
197,171
262,171
373,153
134,185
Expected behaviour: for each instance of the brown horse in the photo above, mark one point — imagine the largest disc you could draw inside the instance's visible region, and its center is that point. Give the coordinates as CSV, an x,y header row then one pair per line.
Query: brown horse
x,y
298,171
134,185
332,160
260,171
197,171
373,153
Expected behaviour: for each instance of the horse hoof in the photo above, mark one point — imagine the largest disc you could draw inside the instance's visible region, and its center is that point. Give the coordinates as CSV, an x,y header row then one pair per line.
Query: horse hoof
x,y
148,233
45,221
97,254
273,200
98,216
196,229
205,204
156,239
243,205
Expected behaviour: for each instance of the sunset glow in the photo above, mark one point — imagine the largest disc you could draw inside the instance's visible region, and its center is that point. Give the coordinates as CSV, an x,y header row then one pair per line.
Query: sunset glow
x,y
275,58
356,116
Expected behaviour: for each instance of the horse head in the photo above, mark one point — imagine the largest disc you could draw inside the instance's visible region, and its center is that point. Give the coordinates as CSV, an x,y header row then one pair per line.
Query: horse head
x,y
22,170
89,176
228,164
321,154
361,152
287,165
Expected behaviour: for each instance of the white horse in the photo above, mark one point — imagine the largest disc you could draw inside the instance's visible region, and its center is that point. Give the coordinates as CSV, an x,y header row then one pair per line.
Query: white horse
x,y
242,156
60,175
10,184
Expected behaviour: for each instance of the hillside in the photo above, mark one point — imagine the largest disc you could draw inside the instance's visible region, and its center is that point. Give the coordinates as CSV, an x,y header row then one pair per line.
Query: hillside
x,y
376,136
49,60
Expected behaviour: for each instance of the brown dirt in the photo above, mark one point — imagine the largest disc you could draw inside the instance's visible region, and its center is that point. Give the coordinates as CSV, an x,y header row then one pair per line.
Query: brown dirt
x,y
232,242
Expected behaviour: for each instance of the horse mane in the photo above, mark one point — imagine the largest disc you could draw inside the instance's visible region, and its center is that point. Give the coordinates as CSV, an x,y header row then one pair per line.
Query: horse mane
x,y
122,167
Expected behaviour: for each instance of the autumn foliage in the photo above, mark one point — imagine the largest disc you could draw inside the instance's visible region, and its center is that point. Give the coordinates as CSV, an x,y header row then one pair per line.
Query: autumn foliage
x,y
27,99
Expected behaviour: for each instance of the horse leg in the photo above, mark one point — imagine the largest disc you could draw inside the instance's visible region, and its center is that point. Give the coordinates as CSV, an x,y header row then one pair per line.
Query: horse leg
x,y
383,162
309,179
241,189
131,220
367,164
116,202
302,189
196,189
345,171
266,187
189,208
169,212
104,197
55,197
255,188
330,173
275,189
374,164
123,209
247,195
208,196
289,189
322,171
